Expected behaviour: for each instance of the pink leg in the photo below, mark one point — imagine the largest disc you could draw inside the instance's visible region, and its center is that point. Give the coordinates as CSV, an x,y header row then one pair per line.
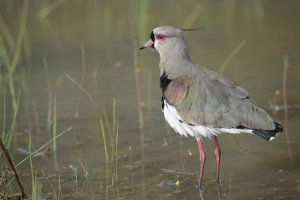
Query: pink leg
x,y
201,159
218,155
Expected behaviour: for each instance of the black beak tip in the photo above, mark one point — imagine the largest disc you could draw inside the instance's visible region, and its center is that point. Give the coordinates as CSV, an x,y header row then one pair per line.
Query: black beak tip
x,y
142,47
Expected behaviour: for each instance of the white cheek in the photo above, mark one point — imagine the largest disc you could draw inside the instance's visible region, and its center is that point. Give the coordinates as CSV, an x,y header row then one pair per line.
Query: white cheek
x,y
156,44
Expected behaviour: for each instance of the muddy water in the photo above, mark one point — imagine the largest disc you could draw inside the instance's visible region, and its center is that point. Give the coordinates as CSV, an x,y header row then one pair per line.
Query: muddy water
x,y
94,44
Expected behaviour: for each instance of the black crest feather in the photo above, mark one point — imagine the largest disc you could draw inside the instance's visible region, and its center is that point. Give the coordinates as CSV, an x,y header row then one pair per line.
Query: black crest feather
x,y
192,29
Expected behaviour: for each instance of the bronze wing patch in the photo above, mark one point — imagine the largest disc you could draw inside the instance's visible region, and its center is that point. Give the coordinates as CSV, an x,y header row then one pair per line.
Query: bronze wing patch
x,y
176,91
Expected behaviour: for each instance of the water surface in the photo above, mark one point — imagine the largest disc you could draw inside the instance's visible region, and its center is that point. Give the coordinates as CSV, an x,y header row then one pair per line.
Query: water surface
x,y
95,44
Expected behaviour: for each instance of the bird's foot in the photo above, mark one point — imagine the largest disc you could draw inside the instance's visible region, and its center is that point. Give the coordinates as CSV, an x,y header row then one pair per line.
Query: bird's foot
x,y
200,187
218,182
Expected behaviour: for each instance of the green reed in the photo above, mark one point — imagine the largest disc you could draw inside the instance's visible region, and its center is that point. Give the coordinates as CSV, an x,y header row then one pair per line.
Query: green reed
x,y
4,114
114,129
43,146
111,150
34,182
54,132
106,156
104,140
11,60
8,137
12,51
285,103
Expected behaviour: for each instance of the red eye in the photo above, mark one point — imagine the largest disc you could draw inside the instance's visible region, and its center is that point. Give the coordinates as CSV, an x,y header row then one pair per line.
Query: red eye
x,y
160,37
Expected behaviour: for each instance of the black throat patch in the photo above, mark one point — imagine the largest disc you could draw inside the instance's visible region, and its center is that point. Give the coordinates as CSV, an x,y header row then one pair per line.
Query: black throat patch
x,y
152,38
164,82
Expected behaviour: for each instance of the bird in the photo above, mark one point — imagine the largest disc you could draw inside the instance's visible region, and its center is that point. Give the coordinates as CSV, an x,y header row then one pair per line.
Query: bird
x,y
202,103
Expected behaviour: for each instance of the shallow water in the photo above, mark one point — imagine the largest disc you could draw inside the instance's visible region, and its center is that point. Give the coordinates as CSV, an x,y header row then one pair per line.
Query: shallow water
x,y
95,43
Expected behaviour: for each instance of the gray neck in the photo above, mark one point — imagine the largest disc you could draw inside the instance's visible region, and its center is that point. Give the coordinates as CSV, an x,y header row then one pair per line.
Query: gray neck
x,y
176,62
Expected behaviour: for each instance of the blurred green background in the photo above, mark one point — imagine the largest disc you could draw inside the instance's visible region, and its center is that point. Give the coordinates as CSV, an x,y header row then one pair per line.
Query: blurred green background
x,y
80,105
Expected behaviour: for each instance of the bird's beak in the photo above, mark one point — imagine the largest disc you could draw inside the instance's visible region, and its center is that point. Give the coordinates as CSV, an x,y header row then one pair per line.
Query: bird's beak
x,y
149,43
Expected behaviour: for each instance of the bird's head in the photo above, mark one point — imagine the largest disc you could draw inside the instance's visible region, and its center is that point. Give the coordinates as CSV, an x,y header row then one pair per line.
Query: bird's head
x,y
168,41
165,39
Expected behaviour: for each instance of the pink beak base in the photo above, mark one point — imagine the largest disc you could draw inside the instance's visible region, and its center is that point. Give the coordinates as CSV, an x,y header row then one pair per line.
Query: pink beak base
x,y
149,43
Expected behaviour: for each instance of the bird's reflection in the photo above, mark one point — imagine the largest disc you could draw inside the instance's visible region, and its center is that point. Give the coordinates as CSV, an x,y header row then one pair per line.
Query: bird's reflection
x,y
218,189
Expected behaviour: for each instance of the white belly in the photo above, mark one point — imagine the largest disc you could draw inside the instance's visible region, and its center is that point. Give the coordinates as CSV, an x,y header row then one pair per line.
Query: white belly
x,y
198,131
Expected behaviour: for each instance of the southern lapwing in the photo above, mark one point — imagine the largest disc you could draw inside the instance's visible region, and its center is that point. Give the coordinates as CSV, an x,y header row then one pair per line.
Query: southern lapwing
x,y
203,103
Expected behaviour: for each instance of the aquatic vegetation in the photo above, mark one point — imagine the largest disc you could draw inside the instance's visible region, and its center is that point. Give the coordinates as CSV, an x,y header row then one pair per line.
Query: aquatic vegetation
x,y
74,67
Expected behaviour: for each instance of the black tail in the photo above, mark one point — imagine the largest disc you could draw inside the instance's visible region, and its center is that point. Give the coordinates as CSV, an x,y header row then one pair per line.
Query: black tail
x,y
269,134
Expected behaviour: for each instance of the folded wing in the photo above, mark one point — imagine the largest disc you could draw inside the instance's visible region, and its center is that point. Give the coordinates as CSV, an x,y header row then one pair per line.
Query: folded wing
x,y
210,99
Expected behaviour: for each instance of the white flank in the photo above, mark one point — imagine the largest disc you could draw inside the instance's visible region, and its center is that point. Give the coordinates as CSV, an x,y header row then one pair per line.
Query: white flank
x,y
198,131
